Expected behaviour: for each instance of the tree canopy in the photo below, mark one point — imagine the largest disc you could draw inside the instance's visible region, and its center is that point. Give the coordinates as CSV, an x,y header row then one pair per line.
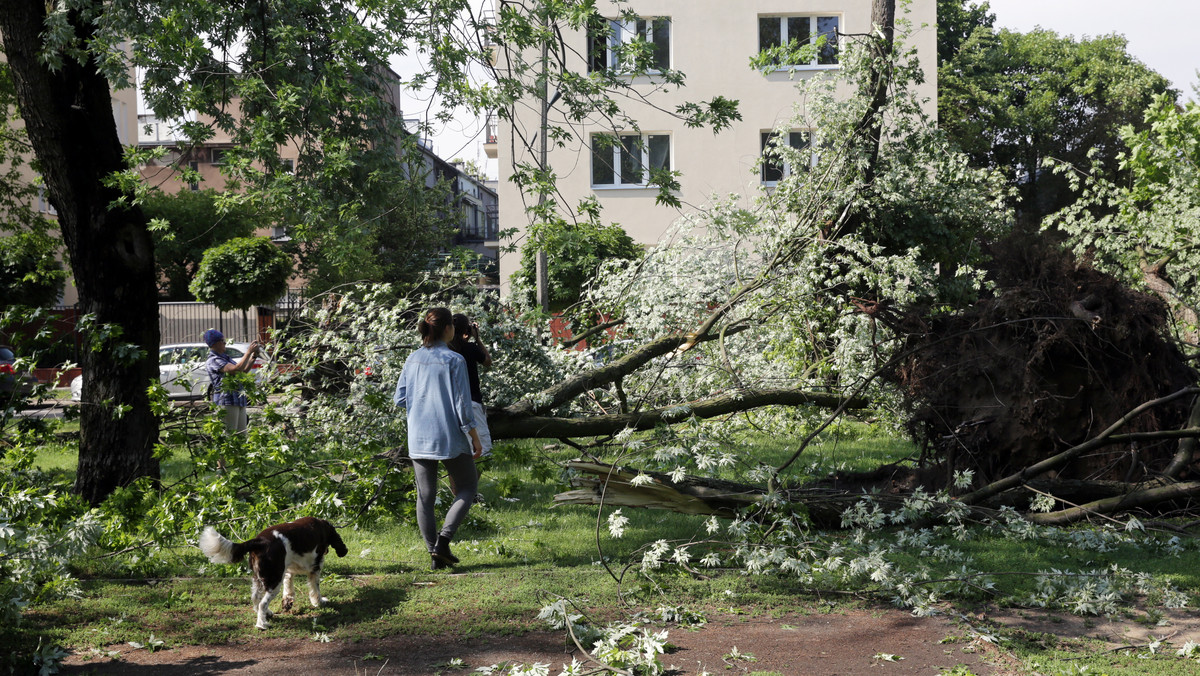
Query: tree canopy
x,y
1014,100
242,273
576,252
956,21
1146,230
185,225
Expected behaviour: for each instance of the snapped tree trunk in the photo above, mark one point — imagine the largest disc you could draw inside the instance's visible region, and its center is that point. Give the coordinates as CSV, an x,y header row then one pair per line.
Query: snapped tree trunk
x,y
504,424
69,117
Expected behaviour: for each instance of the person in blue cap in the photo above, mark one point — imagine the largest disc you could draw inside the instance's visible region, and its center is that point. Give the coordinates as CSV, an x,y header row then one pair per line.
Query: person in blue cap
x,y
219,363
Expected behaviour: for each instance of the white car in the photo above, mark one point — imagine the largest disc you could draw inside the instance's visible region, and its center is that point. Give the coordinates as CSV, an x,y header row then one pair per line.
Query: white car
x,y
181,369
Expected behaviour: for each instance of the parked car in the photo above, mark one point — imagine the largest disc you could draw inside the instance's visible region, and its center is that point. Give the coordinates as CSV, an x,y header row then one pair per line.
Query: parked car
x,y
11,380
181,369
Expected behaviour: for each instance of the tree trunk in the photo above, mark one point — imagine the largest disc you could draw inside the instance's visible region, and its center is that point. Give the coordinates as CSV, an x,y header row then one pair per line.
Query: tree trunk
x,y
1142,498
69,117
824,501
504,424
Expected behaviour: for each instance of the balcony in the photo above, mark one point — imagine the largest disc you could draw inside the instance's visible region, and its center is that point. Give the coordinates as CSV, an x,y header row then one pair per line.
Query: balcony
x,y
487,22
153,131
489,136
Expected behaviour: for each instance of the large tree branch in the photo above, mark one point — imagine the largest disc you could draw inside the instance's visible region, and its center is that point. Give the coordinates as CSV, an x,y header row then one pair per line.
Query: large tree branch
x,y
578,338
504,424
1187,446
1156,280
1119,503
561,393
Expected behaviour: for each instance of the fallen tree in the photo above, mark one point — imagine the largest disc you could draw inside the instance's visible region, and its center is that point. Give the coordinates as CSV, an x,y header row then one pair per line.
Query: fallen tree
x,y
824,501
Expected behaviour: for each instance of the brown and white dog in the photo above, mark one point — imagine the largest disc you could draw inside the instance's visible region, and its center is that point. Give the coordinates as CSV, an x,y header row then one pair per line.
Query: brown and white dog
x,y
275,555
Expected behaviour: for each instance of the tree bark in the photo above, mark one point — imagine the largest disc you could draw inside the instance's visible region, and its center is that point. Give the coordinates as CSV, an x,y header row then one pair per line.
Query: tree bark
x,y
69,117
1156,281
600,484
1187,446
1142,498
504,424
609,485
557,395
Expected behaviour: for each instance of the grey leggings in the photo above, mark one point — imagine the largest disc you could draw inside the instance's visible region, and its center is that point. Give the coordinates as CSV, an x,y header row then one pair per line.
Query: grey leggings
x,y
465,481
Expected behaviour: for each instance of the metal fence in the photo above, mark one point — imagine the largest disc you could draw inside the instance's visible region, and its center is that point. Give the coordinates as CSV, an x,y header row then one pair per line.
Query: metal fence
x,y
187,322
177,323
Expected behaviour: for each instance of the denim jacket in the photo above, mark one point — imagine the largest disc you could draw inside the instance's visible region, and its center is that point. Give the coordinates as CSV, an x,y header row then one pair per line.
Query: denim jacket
x,y
434,388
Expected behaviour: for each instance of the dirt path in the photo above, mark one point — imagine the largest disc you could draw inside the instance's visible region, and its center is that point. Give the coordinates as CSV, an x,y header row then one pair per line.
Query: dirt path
x,y
841,642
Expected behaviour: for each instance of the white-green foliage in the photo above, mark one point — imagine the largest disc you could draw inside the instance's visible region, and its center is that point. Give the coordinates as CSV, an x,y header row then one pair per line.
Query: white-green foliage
x,y
877,557
787,264
621,647
368,327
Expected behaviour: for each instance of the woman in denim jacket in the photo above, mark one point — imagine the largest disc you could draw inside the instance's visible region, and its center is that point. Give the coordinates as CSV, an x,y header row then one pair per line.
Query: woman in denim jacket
x,y
433,386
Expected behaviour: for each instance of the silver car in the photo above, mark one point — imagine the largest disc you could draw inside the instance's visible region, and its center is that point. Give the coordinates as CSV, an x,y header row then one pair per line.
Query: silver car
x,y
181,369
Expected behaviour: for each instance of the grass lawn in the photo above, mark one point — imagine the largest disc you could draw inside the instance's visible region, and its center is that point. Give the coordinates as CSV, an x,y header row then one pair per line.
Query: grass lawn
x,y
520,553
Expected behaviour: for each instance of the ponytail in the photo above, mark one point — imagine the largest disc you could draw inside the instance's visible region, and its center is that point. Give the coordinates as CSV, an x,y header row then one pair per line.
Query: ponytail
x,y
433,325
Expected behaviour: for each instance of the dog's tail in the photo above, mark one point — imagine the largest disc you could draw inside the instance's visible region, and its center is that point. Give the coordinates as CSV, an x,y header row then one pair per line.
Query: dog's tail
x,y
218,549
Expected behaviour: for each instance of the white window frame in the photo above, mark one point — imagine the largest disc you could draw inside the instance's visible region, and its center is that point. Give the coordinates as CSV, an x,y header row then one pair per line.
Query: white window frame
x,y
787,167
44,205
815,64
625,32
617,149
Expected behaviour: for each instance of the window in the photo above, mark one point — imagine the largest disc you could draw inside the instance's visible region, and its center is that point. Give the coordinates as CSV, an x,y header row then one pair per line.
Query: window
x,y
218,156
628,159
797,31
605,51
774,168
195,166
44,205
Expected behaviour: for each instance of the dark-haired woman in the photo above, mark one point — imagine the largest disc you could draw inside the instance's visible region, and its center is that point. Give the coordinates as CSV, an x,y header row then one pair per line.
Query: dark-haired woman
x,y
433,386
467,343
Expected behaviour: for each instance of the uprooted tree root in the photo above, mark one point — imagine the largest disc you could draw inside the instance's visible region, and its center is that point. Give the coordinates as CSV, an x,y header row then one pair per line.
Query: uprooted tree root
x,y
1059,352
1062,383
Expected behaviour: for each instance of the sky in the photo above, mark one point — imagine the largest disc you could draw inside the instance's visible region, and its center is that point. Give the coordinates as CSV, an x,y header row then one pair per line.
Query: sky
x,y
1161,34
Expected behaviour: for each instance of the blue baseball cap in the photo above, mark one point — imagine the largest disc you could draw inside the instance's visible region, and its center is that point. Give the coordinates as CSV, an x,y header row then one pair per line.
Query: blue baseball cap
x,y
212,337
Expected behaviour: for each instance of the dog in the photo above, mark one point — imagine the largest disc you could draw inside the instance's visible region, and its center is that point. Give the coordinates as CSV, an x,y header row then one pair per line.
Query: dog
x,y
275,555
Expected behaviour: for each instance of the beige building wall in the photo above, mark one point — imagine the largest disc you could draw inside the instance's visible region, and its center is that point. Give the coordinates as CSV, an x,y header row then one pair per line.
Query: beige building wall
x,y
712,42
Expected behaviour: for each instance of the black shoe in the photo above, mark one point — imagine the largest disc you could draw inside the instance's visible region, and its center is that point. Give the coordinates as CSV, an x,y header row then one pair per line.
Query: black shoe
x,y
435,563
441,551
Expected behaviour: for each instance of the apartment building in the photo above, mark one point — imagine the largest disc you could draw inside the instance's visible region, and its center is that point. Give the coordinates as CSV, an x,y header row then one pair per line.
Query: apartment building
x,y
712,42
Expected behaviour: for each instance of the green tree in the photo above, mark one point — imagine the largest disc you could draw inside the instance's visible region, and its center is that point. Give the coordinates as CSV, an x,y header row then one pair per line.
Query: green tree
x,y
65,101
956,21
29,272
575,252
242,273
1013,100
413,217
184,226
531,70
